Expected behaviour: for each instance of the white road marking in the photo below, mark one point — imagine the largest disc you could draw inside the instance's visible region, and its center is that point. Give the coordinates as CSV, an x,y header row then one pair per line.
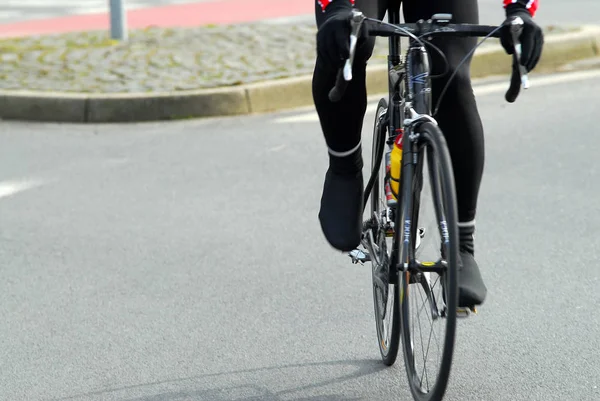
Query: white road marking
x,y
312,116
9,188
480,90
277,148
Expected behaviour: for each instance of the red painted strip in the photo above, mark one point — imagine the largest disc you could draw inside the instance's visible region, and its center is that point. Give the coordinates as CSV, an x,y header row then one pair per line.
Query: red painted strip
x,y
178,15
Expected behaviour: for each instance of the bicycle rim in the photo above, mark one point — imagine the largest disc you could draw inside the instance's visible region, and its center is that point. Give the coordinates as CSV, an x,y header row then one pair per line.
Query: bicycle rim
x,y
385,294
428,326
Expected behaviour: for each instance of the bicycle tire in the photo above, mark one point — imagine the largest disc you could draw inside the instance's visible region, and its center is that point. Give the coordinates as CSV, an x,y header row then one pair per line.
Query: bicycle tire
x,y
444,196
388,345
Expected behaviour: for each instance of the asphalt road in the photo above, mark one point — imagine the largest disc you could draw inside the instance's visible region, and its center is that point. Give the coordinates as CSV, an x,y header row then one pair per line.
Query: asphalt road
x,y
572,12
184,261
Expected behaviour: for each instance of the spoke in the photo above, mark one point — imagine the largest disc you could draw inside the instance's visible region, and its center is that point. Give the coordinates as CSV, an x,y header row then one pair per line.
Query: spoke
x,y
426,354
436,337
388,316
428,344
432,333
426,302
380,306
423,351
437,342
413,318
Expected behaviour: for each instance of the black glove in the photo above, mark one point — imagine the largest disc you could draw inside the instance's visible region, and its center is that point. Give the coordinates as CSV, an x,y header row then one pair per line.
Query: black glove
x,y
333,37
532,37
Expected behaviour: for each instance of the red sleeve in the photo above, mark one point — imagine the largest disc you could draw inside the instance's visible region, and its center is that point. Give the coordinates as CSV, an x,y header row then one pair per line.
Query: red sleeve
x,y
530,5
325,3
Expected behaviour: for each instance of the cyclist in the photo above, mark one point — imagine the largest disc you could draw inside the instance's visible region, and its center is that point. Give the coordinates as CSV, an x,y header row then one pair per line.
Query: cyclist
x,y
341,206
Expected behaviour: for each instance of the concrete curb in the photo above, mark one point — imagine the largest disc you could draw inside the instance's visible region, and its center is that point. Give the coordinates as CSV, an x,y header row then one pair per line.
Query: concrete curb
x,y
256,98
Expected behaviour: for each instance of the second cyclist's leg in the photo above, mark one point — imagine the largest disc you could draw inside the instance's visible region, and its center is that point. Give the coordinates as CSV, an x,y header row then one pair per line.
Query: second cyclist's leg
x,y
460,121
341,209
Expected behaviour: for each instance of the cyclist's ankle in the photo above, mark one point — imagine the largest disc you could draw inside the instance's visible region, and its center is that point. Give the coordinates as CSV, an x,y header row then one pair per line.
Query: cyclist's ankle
x,y
346,162
466,234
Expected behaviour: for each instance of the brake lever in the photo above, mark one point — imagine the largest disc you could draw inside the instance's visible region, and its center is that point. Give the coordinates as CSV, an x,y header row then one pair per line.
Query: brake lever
x,y
345,74
356,23
516,28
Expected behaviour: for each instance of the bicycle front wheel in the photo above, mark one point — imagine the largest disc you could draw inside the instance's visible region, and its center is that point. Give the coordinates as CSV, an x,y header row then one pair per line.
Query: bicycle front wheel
x,y
429,293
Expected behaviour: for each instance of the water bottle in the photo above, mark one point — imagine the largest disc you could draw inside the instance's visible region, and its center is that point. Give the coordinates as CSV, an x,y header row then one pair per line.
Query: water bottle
x,y
395,165
389,196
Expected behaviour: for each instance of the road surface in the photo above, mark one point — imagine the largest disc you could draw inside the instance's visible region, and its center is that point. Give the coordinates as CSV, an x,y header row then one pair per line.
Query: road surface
x,y
184,261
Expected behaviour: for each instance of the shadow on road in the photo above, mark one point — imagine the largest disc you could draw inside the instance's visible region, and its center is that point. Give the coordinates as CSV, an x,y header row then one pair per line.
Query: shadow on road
x,y
233,385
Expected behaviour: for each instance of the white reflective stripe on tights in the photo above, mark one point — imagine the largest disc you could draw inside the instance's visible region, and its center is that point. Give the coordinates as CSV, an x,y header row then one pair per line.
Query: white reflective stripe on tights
x,y
344,154
467,224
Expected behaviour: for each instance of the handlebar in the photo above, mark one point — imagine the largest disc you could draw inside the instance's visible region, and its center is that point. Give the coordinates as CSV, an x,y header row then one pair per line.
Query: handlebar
x,y
439,26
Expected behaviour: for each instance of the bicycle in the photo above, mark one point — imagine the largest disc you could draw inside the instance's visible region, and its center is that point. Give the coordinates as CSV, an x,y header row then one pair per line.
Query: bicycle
x,y
398,270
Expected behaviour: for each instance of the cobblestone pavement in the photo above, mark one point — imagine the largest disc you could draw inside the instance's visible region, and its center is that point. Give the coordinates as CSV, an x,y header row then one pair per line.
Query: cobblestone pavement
x,y
161,59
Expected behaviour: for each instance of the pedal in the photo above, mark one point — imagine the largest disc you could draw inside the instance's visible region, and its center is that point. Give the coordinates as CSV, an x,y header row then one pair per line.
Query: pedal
x,y
463,313
359,256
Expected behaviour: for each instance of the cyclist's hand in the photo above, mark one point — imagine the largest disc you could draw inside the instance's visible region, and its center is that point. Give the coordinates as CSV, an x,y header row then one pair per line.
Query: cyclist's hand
x,y
333,37
532,37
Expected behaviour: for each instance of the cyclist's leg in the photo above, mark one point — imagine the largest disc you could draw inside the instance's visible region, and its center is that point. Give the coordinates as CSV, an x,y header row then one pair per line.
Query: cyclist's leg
x,y
341,122
460,121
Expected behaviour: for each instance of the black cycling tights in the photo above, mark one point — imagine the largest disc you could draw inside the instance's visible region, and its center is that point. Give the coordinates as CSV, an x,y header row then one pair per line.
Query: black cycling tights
x,y
457,116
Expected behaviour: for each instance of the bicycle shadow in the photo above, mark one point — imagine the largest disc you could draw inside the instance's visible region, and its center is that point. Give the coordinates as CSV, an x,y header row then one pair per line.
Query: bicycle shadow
x,y
215,396
206,388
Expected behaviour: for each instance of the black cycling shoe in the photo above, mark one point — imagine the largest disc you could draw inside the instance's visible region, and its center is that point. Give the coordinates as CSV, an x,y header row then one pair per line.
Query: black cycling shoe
x,y
342,209
471,289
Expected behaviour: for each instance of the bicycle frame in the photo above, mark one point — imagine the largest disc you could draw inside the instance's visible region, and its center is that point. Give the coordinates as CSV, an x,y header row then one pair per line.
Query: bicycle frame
x,y
410,100
409,81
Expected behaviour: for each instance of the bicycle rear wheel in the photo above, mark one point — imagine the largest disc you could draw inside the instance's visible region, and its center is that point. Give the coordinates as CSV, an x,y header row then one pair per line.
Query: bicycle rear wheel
x,y
429,293
385,287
